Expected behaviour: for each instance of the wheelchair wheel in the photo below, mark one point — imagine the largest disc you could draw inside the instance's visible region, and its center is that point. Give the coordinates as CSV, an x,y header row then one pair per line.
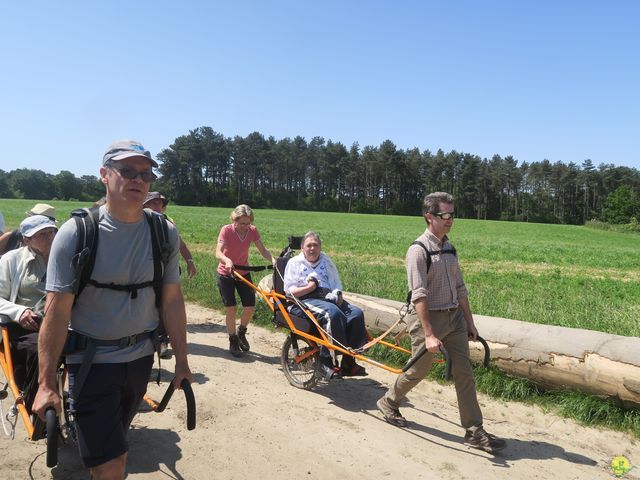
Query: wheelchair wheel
x,y
305,373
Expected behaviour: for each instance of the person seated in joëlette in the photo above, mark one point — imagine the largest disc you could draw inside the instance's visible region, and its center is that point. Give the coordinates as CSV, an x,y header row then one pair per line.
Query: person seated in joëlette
x,y
23,274
311,276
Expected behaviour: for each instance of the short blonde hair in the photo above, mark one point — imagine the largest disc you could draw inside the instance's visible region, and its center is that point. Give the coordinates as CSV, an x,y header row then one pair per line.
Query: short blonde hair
x,y
241,211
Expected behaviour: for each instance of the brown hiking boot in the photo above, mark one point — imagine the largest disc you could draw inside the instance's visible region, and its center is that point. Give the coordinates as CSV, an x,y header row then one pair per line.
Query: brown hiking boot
x,y
234,345
391,415
242,338
350,368
480,439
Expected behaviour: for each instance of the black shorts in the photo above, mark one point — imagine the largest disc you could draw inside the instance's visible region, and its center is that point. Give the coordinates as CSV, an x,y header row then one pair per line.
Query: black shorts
x,y
227,285
107,403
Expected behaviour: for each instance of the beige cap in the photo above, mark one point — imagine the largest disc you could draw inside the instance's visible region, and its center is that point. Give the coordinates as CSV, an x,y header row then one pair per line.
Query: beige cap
x,y
43,209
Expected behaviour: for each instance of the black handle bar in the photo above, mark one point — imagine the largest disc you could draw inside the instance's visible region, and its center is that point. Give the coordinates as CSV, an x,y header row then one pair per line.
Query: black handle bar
x,y
485,361
448,372
250,268
189,397
52,437
421,352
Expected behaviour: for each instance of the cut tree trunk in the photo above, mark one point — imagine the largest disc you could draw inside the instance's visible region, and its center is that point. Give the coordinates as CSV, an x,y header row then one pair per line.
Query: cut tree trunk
x,y
552,357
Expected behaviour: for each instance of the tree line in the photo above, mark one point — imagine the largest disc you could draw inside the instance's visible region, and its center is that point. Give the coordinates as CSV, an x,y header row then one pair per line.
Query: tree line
x,y
38,185
206,168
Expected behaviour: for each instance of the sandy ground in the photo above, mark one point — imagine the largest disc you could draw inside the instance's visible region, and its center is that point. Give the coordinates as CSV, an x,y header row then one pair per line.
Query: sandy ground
x,y
252,423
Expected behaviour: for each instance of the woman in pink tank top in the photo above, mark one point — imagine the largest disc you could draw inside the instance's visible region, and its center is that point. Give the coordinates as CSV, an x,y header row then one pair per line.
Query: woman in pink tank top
x,y
232,249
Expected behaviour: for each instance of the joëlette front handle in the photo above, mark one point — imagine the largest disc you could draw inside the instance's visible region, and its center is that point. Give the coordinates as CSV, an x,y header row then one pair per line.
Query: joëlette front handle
x,y
189,397
421,352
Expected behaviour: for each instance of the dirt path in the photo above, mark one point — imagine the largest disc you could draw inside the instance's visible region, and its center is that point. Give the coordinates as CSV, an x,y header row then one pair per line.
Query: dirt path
x,y
253,424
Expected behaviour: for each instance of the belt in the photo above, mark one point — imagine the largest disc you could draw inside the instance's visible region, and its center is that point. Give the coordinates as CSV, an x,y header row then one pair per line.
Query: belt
x,y
452,309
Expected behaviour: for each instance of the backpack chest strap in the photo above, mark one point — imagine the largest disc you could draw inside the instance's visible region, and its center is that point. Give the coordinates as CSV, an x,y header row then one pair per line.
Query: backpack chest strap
x,y
133,288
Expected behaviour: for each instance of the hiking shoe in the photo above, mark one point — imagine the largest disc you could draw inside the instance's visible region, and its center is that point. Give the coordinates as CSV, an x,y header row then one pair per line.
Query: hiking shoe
x,y
354,370
391,415
350,368
242,337
234,345
165,352
479,438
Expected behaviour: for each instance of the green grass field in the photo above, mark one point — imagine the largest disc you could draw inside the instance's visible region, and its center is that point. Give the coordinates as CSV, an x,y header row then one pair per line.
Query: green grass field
x,y
551,274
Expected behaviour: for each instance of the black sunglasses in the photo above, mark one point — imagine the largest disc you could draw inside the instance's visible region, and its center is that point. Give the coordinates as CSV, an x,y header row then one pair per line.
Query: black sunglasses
x,y
445,215
147,176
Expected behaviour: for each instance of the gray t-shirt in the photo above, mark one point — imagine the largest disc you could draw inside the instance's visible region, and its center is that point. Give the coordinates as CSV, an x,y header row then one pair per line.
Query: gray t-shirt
x,y
124,257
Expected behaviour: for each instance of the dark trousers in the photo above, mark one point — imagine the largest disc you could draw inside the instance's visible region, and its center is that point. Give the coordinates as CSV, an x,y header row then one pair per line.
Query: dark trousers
x,y
24,352
345,323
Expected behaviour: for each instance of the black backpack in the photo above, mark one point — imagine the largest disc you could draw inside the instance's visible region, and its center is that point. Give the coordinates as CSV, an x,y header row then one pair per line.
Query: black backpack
x,y
451,251
83,262
429,253
14,241
87,246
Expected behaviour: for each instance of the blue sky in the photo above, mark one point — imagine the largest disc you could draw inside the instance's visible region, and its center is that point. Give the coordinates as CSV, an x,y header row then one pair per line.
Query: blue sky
x,y
556,80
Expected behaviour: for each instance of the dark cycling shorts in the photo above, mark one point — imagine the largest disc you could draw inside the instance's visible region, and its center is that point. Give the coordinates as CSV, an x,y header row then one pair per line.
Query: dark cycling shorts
x,y
227,285
107,403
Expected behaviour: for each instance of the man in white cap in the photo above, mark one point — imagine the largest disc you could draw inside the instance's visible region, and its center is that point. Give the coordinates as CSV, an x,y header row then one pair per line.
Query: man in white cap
x,y
120,322
22,278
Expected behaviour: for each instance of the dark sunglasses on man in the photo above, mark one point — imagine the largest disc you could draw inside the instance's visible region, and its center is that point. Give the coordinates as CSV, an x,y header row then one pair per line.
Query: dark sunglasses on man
x,y
445,215
147,176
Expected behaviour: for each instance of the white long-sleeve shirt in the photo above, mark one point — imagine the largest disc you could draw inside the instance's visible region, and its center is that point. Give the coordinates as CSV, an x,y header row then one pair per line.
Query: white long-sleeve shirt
x,y
298,270
22,274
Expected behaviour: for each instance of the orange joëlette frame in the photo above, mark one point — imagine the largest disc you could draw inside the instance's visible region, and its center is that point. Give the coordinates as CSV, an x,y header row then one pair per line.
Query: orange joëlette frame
x,y
7,367
276,300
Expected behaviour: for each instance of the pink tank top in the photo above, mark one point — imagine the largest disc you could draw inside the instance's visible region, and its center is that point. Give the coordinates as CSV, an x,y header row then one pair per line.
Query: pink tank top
x,y
236,248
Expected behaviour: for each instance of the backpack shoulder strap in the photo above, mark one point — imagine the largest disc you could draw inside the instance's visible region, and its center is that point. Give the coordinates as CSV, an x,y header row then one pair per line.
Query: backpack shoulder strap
x,y
428,254
426,251
452,251
161,249
84,258
15,240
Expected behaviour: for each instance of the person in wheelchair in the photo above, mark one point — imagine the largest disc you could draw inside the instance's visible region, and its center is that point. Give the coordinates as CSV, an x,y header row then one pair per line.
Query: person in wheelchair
x,y
22,279
311,276
13,238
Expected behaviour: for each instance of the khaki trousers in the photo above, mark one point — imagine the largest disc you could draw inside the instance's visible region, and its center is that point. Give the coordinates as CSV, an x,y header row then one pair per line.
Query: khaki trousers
x,y
451,329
